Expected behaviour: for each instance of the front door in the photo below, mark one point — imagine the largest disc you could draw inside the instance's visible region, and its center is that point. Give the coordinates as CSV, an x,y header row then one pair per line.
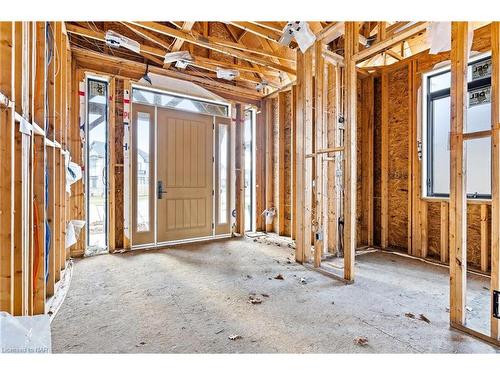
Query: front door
x,y
184,175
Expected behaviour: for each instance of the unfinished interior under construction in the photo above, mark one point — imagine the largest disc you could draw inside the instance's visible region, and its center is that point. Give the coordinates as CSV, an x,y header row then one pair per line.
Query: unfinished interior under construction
x,y
251,186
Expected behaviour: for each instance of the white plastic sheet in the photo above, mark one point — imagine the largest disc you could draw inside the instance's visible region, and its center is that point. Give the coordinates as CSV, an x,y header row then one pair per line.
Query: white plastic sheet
x,y
269,214
73,174
439,37
73,232
25,334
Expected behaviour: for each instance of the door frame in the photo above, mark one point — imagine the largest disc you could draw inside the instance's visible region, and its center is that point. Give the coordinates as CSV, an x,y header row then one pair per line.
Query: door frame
x,y
231,202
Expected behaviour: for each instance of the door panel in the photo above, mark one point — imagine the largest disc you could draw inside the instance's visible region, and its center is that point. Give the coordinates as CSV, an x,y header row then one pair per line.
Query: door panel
x,y
185,175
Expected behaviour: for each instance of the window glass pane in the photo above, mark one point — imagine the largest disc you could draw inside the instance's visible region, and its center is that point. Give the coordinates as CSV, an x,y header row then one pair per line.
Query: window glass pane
x,y
440,146
223,172
143,187
479,69
479,109
440,82
171,101
478,166
97,166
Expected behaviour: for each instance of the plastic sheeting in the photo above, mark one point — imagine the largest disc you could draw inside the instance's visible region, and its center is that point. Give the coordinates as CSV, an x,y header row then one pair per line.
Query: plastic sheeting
x,y
25,334
73,230
439,37
74,173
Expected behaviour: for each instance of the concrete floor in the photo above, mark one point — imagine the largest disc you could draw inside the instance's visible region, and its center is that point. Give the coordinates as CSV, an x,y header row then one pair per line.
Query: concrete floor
x,y
191,298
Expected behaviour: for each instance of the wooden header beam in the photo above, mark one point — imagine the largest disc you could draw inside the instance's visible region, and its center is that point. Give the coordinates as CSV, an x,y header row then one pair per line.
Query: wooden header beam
x,y
128,66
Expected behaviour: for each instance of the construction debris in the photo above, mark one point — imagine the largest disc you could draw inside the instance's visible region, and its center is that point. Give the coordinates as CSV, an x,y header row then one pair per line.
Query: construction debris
x,y
424,318
361,340
254,300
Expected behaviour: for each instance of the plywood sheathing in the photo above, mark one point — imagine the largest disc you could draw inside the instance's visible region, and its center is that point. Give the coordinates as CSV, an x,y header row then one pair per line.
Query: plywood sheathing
x,y
426,214
282,163
397,107
377,162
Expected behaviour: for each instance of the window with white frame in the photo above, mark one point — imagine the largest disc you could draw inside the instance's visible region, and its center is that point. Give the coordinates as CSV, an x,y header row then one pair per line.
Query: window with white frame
x,y
437,118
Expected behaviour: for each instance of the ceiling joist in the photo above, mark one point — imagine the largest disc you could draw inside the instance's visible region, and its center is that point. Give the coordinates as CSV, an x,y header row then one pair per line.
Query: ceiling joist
x,y
208,42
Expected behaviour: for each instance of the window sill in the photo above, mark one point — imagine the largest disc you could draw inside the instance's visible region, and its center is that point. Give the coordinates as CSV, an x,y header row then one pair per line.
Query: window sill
x,y
469,200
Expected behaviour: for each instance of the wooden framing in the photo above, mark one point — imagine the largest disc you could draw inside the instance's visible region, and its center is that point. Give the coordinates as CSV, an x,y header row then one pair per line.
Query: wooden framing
x,y
444,250
384,223
45,96
281,162
204,42
293,149
458,213
319,144
33,165
7,59
269,161
495,177
350,174
368,155
304,119
112,164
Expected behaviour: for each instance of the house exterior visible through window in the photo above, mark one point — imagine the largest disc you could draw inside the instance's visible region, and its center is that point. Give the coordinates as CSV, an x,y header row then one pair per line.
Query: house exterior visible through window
x,y
437,119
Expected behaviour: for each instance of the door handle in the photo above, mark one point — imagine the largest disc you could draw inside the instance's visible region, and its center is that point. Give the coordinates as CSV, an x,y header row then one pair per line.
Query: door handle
x,y
160,190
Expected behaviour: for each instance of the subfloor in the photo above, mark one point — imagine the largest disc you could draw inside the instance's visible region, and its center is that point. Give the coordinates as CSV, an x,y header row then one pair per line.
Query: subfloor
x,y
191,298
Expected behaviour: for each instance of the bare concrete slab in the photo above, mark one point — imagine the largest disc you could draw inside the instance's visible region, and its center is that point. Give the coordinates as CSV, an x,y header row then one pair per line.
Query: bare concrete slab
x,y
191,298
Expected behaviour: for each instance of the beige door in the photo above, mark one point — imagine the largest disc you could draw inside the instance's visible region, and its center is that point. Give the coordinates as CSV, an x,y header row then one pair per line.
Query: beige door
x,y
185,175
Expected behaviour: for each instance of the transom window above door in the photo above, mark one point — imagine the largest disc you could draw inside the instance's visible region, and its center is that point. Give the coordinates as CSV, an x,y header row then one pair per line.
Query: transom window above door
x,y
162,99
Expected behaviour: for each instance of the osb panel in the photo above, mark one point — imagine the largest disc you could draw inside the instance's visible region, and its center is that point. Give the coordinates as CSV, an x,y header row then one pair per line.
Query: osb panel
x,y
474,235
276,188
397,107
434,235
218,29
119,176
360,218
377,157
288,163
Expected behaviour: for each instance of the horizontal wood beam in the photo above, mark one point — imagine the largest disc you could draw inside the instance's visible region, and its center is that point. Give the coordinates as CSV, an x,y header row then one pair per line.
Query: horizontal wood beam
x,y
391,41
128,67
207,42
258,30
146,51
